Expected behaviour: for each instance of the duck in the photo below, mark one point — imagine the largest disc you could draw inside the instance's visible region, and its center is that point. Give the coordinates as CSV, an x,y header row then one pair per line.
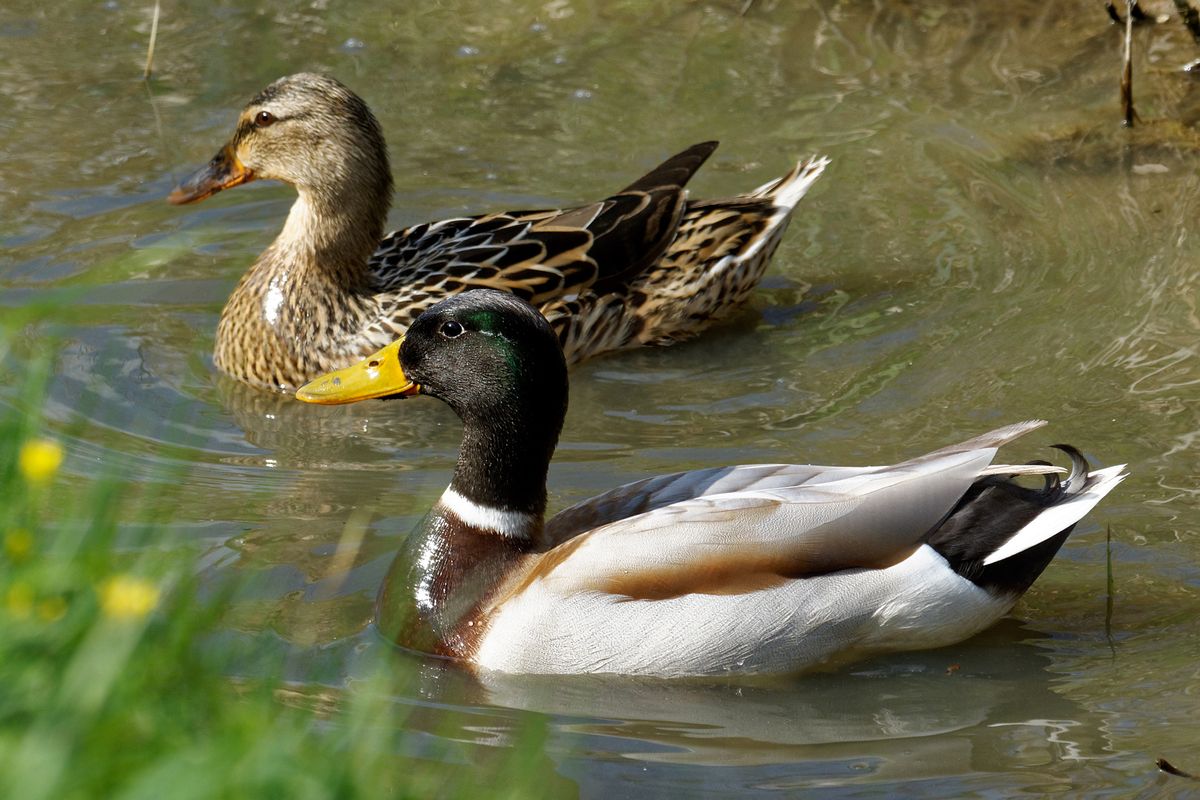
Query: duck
x,y
645,266
761,568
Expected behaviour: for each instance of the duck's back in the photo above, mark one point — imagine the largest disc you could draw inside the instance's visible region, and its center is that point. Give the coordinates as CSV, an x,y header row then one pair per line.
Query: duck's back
x,y
644,266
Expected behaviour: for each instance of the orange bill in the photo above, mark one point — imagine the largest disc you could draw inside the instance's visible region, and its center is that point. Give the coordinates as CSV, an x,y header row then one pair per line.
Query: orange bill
x,y
223,172
379,375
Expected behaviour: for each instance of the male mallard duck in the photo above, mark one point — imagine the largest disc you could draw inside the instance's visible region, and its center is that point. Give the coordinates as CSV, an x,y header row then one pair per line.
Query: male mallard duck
x,y
645,266
759,568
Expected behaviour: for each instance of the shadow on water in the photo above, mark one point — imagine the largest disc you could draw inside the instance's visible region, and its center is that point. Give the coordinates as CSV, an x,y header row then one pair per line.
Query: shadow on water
x,y
900,719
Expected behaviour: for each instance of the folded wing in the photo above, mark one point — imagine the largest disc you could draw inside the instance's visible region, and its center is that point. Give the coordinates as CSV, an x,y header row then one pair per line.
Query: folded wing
x,y
737,530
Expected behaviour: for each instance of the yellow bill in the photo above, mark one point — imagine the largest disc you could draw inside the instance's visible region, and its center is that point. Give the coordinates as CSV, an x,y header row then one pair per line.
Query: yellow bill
x,y
379,375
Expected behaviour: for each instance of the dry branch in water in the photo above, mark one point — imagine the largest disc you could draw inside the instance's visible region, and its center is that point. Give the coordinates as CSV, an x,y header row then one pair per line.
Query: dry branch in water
x,y
1133,11
153,39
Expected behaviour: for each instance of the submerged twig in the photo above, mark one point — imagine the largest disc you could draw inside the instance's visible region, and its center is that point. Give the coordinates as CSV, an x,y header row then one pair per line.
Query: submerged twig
x,y
157,117
153,39
1127,73
146,74
1109,601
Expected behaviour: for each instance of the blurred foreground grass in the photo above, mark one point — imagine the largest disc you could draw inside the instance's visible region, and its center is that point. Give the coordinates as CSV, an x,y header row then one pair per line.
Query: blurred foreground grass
x,y
113,684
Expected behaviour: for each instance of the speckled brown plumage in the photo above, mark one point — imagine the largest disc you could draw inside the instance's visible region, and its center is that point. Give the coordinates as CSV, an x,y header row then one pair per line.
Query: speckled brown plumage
x,y
644,266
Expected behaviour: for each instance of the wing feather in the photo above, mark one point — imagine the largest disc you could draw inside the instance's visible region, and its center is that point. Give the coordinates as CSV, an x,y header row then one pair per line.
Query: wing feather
x,y
740,529
541,255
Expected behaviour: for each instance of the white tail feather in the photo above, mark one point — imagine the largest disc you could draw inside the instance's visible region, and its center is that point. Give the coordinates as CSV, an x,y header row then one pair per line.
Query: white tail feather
x,y
787,191
1061,515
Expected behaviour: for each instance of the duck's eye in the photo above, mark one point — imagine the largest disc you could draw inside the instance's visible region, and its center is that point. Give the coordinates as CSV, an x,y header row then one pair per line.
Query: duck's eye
x,y
451,329
264,118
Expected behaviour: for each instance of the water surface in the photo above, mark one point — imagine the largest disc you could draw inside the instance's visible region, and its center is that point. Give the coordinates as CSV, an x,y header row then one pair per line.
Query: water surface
x,y
987,246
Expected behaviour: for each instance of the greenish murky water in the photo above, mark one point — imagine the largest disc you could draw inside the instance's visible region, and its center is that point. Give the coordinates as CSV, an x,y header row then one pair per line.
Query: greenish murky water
x,y
987,246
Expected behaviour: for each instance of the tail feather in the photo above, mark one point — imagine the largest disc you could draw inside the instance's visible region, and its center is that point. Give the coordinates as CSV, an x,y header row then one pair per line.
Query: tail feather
x,y
783,194
676,170
1061,515
718,254
1001,535
1077,480
786,191
992,440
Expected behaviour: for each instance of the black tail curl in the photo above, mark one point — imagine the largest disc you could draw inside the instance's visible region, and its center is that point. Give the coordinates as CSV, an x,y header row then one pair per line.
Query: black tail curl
x,y
993,509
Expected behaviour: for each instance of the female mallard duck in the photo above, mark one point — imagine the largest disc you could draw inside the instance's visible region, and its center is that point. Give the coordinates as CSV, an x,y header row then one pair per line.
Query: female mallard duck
x,y
645,266
760,568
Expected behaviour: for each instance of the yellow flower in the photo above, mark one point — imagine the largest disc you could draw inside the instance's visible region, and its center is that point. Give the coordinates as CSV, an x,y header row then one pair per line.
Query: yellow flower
x,y
18,543
19,600
128,597
39,459
52,609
